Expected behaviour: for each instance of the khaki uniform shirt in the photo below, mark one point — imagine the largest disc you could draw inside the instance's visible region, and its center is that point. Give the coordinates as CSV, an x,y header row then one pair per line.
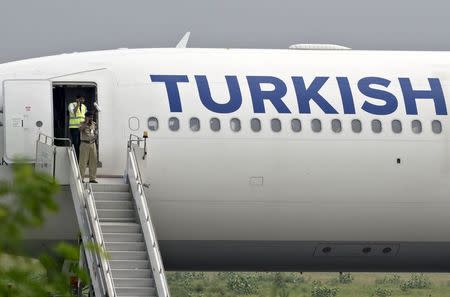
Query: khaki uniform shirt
x,y
89,133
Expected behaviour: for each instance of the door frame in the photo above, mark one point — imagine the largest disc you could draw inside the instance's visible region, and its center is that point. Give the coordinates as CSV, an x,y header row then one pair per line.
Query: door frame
x,y
90,84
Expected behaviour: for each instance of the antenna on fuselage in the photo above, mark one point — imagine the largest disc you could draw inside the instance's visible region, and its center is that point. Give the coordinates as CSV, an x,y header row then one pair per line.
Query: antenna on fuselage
x,y
183,42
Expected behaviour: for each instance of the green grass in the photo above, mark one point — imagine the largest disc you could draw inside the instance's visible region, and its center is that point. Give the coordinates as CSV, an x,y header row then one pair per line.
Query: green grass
x,y
212,284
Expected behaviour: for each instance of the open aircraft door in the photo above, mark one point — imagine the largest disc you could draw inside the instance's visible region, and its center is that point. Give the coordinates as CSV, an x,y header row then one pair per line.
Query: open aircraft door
x,y
27,112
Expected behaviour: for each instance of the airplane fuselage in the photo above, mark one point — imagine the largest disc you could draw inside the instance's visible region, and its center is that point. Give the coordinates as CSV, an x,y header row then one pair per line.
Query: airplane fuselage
x,y
274,159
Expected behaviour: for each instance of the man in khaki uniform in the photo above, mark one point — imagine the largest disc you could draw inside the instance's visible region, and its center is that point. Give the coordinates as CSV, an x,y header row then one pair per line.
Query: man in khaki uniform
x,y
88,148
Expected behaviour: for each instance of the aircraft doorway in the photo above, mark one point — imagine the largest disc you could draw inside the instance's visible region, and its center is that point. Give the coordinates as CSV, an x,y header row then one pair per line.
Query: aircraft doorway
x,y
63,95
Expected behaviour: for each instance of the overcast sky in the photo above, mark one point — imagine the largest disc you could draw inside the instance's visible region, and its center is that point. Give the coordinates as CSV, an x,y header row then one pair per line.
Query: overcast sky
x,y
32,28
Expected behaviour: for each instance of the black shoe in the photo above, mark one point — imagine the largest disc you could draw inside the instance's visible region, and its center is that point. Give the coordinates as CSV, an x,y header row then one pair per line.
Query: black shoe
x,y
93,181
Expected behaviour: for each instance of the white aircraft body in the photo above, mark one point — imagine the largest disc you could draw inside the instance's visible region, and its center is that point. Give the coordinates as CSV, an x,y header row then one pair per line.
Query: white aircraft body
x,y
326,160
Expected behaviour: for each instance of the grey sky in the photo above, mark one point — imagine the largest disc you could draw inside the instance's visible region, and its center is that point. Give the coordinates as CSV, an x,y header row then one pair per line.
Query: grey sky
x,y
32,28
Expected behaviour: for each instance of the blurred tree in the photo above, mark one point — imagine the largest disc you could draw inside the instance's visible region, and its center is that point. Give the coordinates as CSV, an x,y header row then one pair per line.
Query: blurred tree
x,y
24,202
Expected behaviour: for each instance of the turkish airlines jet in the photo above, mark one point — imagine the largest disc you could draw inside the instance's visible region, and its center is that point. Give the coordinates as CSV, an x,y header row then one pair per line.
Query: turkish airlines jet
x,y
296,159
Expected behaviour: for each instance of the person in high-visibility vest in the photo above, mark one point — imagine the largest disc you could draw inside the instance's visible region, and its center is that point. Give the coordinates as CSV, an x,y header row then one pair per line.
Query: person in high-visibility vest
x,y
76,116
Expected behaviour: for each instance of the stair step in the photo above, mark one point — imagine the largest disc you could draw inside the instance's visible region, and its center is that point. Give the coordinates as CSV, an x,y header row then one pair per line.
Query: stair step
x,y
125,246
120,227
128,255
114,204
116,213
133,273
121,196
136,291
134,282
137,296
123,237
119,187
129,264
117,220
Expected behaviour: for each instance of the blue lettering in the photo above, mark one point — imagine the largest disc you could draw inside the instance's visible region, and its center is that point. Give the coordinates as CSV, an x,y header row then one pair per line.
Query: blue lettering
x,y
346,95
305,95
275,96
390,100
205,95
436,94
171,82
371,87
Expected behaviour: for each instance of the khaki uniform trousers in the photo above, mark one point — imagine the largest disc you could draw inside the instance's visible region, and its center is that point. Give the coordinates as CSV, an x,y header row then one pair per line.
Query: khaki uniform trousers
x,y
88,153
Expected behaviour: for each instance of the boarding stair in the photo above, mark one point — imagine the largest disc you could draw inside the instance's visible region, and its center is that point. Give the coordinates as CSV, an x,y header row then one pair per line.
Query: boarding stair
x,y
121,249
124,240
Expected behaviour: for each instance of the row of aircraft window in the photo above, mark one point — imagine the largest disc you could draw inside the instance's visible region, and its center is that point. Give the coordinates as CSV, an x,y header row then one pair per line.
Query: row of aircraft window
x,y
296,125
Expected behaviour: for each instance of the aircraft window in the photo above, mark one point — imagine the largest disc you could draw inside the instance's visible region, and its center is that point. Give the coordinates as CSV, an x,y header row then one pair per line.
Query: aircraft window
x,y
296,125
276,125
194,123
255,125
416,126
316,125
396,126
235,125
214,124
436,126
356,126
133,123
376,126
174,124
153,124
336,126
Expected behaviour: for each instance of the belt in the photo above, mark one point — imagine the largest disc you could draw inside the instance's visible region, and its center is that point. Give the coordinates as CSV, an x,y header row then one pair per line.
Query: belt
x,y
87,141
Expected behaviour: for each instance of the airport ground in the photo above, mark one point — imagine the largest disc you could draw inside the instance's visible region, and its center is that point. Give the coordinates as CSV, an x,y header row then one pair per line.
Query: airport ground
x,y
231,284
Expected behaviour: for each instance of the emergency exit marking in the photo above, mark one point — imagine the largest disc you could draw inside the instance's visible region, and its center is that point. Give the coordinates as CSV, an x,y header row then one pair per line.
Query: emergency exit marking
x,y
257,181
17,122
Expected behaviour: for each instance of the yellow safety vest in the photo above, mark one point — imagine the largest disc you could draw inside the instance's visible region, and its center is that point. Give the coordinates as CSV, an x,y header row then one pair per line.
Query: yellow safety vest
x,y
77,117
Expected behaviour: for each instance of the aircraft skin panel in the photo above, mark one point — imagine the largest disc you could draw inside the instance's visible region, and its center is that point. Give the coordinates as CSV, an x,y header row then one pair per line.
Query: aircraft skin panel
x,y
302,256
317,196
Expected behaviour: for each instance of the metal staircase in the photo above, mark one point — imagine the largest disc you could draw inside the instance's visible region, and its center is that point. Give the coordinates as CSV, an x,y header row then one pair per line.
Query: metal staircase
x,y
124,240
115,218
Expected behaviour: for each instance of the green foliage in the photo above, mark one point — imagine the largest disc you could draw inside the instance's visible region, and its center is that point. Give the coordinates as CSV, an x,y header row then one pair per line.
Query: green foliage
x,y
294,278
282,278
284,292
342,279
390,279
241,283
186,276
319,290
213,284
382,292
279,281
188,283
24,202
345,278
417,281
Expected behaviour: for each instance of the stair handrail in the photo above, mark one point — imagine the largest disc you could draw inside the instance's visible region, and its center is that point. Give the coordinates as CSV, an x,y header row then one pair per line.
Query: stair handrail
x,y
93,213
82,208
88,222
53,139
135,179
44,138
